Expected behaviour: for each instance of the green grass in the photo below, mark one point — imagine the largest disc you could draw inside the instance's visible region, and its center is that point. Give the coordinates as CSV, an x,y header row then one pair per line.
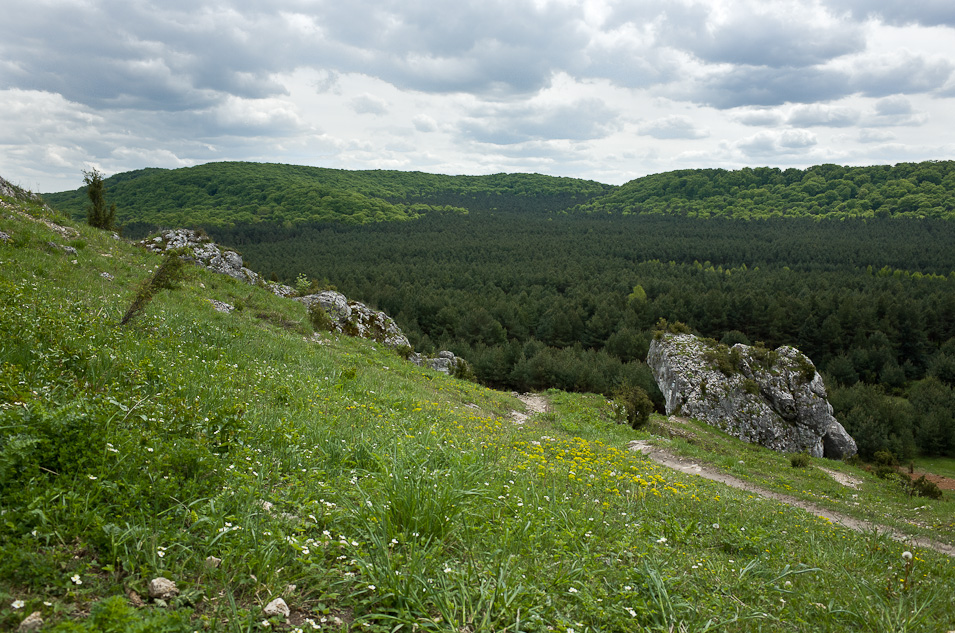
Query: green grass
x,y
398,499
943,466
881,501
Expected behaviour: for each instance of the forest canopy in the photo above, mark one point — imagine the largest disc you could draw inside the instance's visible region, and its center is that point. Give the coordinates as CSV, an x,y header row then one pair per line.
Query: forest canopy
x,y
917,190
231,194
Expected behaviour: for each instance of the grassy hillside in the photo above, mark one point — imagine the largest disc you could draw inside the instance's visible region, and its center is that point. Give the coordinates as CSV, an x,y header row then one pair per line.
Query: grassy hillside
x,y
918,190
226,194
368,493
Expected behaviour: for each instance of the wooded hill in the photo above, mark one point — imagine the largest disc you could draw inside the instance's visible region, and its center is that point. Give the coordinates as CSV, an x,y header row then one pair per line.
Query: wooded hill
x,y
229,194
917,190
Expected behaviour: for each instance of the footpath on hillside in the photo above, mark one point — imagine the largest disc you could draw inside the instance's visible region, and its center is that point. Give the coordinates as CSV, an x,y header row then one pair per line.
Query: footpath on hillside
x,y
536,403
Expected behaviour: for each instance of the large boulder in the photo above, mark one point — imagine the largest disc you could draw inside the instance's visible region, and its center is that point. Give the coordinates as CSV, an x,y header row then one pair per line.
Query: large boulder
x,y
357,319
775,398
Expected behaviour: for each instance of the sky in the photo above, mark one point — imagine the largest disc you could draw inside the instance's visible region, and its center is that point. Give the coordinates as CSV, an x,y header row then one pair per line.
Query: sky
x,y
608,90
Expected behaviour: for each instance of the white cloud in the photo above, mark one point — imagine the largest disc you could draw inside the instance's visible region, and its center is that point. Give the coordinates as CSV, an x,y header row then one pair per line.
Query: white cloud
x,y
822,115
672,127
765,144
612,88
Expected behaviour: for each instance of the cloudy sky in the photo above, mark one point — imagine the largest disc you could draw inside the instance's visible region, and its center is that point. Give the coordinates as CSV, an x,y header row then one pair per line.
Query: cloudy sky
x,y
603,89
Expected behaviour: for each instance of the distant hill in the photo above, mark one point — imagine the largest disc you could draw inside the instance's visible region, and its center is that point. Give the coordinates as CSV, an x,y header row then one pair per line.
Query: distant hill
x,y
232,194
918,190
227,194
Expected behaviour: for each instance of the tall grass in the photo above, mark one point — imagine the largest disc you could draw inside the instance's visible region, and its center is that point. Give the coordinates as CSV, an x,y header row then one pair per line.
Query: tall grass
x,y
369,492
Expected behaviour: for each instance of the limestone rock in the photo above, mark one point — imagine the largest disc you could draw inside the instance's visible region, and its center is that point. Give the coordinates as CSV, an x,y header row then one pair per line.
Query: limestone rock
x,y
445,362
357,319
162,589
33,622
210,255
277,607
775,398
334,303
349,317
222,306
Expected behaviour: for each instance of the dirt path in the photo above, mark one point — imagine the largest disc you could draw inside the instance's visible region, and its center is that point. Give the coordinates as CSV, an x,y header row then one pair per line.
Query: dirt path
x,y
665,458
535,404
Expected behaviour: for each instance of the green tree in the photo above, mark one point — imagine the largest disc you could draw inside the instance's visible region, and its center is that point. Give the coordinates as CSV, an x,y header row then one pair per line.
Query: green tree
x,y
97,213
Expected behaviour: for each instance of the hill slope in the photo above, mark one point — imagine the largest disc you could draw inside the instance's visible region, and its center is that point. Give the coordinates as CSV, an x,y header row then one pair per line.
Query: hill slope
x,y
225,194
244,459
919,190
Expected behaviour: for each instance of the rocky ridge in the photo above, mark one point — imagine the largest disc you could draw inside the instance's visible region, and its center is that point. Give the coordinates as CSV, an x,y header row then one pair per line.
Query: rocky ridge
x,y
345,316
774,398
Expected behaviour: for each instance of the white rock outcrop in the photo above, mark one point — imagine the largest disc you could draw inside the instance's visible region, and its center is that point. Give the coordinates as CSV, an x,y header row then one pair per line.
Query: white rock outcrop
x,y
775,398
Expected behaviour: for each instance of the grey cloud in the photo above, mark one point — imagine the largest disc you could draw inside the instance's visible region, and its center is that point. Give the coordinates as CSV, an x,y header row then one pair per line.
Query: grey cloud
x,y
424,123
753,38
492,47
583,120
912,75
672,127
924,12
894,111
369,104
893,106
762,86
821,115
760,118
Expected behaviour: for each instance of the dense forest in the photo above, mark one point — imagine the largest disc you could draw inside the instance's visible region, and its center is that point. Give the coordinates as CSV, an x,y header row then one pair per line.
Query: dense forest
x,y
917,190
558,282
572,301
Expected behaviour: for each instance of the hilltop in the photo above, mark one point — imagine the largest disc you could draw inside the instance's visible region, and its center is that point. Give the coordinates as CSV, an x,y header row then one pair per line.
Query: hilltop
x,y
244,459
230,194
915,190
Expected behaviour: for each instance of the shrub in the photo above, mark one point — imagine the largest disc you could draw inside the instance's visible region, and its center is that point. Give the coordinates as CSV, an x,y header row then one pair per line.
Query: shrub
x,y
636,404
169,273
464,371
302,285
922,487
799,460
320,319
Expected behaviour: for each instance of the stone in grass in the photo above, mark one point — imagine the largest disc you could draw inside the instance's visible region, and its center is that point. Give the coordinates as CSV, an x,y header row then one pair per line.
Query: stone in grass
x,y
213,562
277,607
162,589
33,622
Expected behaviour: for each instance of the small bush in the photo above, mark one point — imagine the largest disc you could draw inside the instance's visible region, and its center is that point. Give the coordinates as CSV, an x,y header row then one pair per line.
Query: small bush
x,y
167,276
302,285
636,404
463,370
885,458
320,319
800,460
882,471
922,487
